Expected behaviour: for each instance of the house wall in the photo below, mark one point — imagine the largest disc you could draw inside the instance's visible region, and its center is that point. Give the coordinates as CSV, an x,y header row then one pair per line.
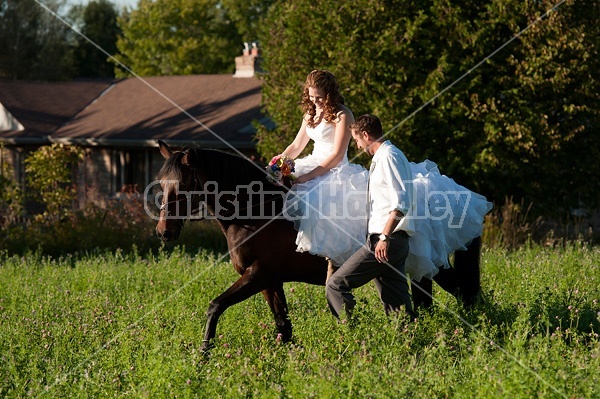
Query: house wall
x,y
110,171
98,173
7,162
12,162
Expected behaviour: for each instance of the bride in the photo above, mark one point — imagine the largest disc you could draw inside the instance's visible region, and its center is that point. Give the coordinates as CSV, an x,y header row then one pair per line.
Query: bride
x,y
327,203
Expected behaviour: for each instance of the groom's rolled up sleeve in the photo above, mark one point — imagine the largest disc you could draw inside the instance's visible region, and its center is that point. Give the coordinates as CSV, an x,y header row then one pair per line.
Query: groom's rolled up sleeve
x,y
399,184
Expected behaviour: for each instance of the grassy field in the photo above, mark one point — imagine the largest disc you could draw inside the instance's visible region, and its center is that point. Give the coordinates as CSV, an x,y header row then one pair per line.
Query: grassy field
x,y
115,325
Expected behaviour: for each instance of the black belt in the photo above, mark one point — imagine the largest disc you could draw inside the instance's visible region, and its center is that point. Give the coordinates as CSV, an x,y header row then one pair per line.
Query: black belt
x,y
395,234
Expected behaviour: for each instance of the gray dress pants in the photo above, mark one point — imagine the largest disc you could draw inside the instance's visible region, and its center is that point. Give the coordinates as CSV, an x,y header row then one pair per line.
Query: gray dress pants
x,y
362,267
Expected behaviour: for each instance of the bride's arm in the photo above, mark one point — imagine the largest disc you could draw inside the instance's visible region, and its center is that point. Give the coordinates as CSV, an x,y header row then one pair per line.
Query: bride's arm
x,y
299,143
340,146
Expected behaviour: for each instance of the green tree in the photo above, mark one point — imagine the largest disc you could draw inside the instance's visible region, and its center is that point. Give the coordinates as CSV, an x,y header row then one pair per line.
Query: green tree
x,y
521,124
99,24
50,175
246,15
33,41
177,37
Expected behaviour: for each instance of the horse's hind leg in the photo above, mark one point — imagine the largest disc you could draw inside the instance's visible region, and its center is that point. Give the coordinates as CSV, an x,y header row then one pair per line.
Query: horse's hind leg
x,y
422,293
468,269
276,299
447,279
463,281
242,289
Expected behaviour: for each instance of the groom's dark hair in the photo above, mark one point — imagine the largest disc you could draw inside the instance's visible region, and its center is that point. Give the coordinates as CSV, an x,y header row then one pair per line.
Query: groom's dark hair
x,y
368,123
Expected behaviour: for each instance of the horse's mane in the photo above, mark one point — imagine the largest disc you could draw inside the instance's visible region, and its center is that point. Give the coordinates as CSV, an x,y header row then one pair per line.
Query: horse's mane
x,y
171,169
229,170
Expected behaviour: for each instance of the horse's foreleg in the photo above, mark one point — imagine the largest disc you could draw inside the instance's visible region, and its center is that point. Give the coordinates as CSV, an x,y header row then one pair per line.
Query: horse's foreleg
x,y
276,299
242,289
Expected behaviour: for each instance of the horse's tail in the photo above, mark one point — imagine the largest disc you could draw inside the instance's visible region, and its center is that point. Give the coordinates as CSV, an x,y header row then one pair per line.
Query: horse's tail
x,y
467,265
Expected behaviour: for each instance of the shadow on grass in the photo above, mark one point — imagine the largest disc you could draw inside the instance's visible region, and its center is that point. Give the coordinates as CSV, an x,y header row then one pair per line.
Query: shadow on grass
x,y
569,314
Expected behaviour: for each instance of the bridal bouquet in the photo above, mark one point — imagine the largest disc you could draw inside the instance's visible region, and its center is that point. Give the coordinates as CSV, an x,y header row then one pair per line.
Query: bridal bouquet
x,y
280,167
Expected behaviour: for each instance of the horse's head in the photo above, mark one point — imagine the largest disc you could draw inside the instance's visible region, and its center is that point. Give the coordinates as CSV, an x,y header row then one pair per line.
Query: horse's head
x,y
231,188
179,185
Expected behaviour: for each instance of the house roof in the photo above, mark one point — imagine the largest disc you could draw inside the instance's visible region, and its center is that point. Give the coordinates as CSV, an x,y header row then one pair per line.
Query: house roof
x,y
42,107
177,109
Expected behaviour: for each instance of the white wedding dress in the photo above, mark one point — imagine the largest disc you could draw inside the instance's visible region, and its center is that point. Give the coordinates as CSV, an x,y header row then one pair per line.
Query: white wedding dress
x,y
329,211
446,216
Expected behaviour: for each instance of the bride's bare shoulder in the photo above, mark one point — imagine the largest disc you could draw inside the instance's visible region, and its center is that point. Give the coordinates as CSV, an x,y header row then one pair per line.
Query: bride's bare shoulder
x,y
344,112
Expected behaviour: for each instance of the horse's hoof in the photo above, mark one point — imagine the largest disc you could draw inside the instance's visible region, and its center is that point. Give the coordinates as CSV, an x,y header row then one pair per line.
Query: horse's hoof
x,y
469,301
206,347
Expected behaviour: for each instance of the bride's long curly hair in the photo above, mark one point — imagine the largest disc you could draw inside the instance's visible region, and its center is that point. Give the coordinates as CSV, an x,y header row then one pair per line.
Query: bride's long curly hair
x,y
325,81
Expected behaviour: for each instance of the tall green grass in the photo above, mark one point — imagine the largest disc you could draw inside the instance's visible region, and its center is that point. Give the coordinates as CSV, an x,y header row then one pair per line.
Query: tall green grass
x,y
127,325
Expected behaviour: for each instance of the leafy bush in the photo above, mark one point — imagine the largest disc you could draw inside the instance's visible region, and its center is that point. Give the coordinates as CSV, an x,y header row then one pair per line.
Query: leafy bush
x,y
117,225
51,175
513,225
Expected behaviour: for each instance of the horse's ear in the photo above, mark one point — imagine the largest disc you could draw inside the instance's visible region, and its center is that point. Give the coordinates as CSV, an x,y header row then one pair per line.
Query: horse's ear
x,y
189,158
164,149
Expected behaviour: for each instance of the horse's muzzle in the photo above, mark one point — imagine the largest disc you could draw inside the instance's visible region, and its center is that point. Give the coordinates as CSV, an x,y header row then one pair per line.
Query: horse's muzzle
x,y
167,235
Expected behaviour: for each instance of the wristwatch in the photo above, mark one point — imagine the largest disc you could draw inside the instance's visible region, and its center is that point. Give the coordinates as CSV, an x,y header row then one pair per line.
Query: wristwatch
x,y
383,237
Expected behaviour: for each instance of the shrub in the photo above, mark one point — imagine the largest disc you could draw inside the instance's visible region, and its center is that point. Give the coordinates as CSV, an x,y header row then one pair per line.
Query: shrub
x,y
50,174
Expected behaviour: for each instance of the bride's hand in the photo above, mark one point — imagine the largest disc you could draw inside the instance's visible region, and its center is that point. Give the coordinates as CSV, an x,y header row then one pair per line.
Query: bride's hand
x,y
301,179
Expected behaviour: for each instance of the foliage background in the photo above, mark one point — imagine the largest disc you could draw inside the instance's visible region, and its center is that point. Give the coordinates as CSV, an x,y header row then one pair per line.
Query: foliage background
x,y
33,42
524,124
97,20
181,37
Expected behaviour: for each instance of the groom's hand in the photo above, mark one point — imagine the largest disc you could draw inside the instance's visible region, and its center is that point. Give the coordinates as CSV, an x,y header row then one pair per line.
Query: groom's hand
x,y
381,251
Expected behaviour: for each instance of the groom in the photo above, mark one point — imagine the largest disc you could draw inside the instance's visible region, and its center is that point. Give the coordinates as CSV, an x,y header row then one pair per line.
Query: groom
x,y
383,256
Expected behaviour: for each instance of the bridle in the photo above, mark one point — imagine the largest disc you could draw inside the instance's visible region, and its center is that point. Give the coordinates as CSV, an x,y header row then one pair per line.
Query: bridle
x,y
195,186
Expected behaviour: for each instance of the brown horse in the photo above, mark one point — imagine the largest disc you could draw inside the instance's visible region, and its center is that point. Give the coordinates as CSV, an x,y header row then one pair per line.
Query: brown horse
x,y
261,243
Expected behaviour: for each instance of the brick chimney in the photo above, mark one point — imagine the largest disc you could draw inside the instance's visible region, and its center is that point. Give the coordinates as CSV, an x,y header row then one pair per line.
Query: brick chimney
x,y
247,64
